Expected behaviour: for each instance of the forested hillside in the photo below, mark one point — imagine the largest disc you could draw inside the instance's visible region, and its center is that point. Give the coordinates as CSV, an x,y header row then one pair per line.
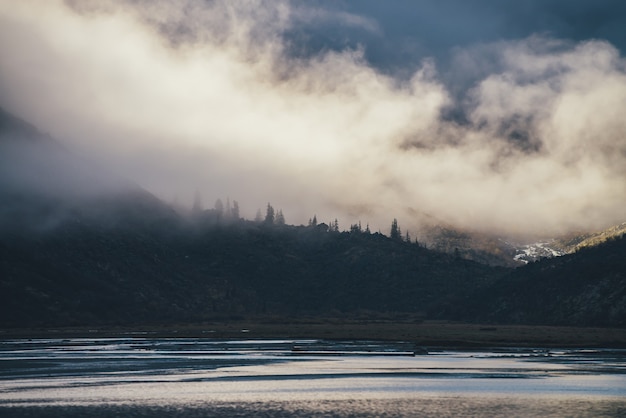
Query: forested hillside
x,y
89,273
584,288
82,274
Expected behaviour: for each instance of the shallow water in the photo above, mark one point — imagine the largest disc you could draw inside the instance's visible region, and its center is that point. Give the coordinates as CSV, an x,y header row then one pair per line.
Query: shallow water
x,y
204,377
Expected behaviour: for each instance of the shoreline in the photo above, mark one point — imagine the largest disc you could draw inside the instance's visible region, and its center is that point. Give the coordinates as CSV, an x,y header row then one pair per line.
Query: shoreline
x,y
432,334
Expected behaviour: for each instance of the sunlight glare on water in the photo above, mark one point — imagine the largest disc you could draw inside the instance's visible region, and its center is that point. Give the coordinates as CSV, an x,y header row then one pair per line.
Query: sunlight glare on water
x,y
200,376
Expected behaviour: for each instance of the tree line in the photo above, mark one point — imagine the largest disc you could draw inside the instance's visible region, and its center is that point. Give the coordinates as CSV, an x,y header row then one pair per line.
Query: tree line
x,y
230,212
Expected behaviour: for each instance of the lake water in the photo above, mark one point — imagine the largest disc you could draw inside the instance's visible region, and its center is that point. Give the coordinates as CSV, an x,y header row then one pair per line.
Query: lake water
x,y
203,377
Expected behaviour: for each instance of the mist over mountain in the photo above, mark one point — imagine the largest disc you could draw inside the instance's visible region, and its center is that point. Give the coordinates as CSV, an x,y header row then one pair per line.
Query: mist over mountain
x,y
117,255
125,120
498,119
43,185
114,254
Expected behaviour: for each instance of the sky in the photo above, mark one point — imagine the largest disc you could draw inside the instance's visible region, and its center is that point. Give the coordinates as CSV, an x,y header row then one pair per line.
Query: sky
x,y
499,117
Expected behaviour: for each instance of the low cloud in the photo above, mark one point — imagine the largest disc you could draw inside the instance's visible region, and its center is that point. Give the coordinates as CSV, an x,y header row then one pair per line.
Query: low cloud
x,y
210,96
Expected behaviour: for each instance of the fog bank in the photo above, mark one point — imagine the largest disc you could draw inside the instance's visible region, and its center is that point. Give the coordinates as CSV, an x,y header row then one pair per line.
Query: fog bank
x,y
512,136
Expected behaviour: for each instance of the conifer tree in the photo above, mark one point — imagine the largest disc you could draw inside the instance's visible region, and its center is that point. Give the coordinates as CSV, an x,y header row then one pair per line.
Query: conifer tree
x,y
228,211
395,230
219,208
197,203
280,218
234,213
269,215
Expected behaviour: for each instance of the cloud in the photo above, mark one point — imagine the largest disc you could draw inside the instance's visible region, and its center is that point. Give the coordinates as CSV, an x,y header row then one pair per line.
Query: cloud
x,y
211,96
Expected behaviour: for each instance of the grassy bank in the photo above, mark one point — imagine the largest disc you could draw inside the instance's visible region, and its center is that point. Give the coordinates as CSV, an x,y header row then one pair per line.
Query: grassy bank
x,y
422,333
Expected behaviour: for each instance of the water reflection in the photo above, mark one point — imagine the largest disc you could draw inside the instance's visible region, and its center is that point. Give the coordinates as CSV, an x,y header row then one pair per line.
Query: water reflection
x,y
302,377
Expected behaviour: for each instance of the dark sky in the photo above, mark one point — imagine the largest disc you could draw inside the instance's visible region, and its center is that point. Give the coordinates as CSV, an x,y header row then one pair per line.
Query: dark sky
x,y
409,31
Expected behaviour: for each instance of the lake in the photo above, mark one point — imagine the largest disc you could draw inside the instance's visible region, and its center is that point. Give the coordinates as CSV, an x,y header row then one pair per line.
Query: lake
x,y
191,377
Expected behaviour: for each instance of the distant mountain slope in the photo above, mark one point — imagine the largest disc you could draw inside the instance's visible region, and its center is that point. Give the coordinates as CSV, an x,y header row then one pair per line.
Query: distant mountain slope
x,y
470,245
568,244
573,243
584,288
43,184
496,251
10,124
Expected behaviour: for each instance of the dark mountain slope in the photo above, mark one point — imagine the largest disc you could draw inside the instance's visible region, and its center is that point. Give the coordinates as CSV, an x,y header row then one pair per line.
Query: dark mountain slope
x,y
81,274
584,288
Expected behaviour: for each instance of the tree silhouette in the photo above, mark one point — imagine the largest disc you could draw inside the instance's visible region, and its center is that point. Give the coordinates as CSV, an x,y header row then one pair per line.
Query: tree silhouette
x,y
219,208
228,209
280,218
395,230
356,228
269,215
235,210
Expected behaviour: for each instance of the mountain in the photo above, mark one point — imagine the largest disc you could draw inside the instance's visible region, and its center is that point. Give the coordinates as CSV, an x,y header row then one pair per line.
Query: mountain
x,y
42,184
566,244
584,288
78,245
470,245
507,252
526,253
574,242
81,274
81,246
